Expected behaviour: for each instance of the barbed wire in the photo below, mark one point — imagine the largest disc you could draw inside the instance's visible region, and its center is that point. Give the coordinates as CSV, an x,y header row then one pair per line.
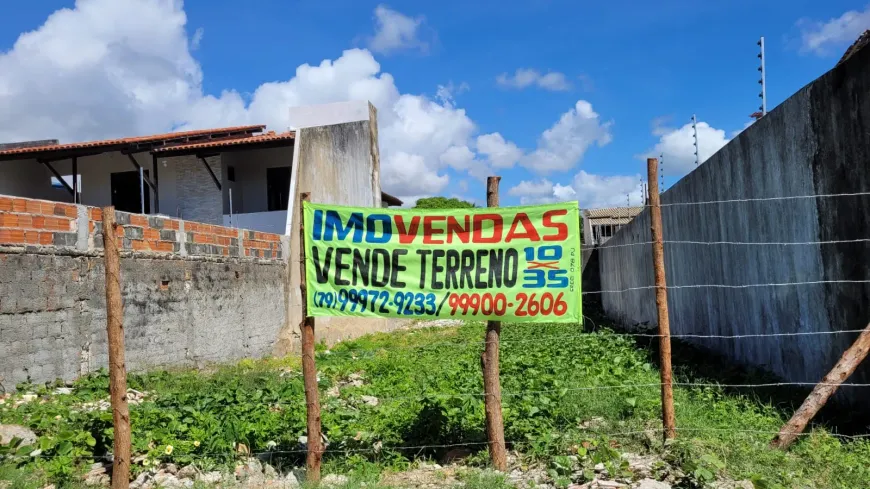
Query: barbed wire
x,y
357,353
563,433
726,286
565,390
741,243
750,199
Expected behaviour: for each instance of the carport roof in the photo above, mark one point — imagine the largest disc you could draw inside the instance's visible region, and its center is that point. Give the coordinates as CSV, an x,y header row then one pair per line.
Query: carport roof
x,y
269,139
53,152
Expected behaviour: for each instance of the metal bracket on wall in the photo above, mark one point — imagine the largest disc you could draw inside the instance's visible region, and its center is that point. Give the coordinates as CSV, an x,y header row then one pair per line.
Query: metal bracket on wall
x,y
210,172
59,178
139,168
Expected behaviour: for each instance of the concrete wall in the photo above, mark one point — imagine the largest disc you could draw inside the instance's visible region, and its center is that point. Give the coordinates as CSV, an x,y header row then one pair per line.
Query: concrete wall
x,y
192,292
815,143
337,164
176,313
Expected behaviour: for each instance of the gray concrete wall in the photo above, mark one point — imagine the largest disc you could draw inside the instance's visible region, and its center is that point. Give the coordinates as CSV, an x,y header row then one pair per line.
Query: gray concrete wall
x,y
338,164
815,143
176,313
192,293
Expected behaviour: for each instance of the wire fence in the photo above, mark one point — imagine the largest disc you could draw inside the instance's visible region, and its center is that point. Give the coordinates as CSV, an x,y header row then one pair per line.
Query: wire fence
x,y
356,352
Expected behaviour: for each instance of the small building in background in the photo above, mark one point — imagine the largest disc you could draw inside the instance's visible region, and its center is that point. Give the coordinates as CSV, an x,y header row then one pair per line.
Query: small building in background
x,y
210,220
599,225
388,200
240,177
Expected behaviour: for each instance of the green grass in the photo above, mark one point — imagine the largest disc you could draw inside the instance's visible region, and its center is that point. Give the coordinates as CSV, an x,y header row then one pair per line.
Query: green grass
x,y
557,396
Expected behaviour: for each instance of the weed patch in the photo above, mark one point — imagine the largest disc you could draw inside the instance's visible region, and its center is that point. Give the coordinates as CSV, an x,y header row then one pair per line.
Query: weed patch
x,y
391,399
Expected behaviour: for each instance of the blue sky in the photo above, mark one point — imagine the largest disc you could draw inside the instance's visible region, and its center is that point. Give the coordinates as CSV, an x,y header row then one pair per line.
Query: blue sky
x,y
599,85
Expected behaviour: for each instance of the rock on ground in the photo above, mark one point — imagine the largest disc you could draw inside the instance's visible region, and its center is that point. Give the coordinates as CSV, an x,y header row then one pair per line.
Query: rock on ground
x,y
290,481
10,431
187,472
732,485
252,469
210,477
333,480
653,484
426,476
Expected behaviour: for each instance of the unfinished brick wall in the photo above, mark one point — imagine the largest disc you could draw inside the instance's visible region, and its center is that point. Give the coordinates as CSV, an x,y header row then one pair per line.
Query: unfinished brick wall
x,y
36,222
46,227
193,293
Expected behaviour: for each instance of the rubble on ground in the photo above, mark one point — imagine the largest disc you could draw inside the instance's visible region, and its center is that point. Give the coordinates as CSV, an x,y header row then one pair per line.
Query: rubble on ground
x,y
10,431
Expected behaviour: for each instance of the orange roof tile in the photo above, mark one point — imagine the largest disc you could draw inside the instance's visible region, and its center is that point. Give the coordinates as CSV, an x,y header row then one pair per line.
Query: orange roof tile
x,y
156,138
231,141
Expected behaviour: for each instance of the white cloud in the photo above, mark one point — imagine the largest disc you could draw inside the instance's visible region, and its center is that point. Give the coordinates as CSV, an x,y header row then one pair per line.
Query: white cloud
x,y
395,32
592,191
446,94
458,157
110,68
408,174
102,69
819,37
528,188
564,192
499,153
562,146
196,40
606,191
526,77
115,68
676,147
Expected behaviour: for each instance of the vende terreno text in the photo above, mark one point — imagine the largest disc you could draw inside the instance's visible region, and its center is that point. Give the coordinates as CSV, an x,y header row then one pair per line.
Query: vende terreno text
x,y
518,264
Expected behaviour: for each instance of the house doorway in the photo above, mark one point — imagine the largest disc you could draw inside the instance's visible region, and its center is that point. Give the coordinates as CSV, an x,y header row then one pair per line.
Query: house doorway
x,y
126,195
278,187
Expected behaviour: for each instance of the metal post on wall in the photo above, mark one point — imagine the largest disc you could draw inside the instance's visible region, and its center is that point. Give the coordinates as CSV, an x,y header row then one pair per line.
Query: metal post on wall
x,y
662,172
695,133
231,206
142,189
762,81
155,175
75,179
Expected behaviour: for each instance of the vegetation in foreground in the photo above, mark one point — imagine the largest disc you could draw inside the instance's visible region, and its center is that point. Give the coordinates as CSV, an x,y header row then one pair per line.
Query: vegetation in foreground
x,y
565,392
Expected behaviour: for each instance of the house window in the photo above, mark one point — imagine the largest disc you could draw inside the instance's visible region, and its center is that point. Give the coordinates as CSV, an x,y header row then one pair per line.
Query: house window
x,y
278,188
126,193
231,173
68,179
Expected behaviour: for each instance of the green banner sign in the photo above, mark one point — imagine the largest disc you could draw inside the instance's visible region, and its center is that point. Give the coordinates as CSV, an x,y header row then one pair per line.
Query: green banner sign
x,y
512,264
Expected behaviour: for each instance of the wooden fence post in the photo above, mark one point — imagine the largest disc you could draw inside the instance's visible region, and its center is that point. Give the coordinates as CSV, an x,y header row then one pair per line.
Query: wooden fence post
x,y
309,368
489,359
655,208
117,369
823,391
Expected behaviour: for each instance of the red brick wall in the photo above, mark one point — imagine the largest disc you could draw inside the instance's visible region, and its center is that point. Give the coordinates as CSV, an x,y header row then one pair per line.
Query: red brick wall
x,y
36,222
45,225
